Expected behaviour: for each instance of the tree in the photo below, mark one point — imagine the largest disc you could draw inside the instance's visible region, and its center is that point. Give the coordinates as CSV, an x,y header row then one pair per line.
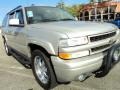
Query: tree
x,y
74,10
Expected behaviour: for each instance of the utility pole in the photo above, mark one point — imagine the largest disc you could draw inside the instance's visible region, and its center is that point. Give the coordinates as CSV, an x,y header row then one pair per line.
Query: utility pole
x,y
61,4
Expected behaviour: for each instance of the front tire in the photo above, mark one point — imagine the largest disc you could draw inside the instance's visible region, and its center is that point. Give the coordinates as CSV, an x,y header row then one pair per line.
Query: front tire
x,y
42,70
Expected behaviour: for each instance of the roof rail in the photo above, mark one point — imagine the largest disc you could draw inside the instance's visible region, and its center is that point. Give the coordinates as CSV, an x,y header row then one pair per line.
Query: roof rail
x,y
17,7
14,8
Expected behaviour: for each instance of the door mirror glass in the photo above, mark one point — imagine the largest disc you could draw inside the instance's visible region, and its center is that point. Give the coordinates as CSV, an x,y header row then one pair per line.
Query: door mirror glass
x,y
14,22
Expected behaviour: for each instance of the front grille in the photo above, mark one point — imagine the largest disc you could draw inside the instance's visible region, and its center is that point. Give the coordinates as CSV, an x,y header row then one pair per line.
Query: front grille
x,y
102,37
100,48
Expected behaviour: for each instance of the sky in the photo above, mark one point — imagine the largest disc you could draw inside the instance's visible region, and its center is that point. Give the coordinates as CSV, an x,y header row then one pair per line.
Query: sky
x,y
7,5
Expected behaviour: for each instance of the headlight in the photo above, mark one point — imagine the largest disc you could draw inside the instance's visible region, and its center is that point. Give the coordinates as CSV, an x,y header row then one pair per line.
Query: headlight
x,y
73,42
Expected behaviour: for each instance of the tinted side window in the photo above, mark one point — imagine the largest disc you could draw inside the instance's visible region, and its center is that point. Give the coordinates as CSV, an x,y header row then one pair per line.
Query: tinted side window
x,y
19,15
11,16
5,21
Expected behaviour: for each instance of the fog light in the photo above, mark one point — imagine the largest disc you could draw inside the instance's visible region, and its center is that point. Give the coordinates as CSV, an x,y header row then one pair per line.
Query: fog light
x,y
116,55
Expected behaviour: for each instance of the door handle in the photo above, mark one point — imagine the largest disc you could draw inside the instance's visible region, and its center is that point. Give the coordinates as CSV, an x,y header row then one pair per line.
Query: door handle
x,y
14,33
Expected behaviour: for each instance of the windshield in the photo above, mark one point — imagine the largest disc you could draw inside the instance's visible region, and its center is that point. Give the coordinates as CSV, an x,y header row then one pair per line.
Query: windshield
x,y
37,14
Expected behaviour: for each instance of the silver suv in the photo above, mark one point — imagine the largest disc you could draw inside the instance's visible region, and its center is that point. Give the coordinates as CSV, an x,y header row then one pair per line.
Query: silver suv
x,y
59,48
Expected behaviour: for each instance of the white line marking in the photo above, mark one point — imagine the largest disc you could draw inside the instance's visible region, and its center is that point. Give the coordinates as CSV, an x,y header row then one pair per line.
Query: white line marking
x,y
79,87
20,68
13,67
16,73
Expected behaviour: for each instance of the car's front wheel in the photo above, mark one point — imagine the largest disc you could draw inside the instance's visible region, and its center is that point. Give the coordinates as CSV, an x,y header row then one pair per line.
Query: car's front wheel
x,y
42,70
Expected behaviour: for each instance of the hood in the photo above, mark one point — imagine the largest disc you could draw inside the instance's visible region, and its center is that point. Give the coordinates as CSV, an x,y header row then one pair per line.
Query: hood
x,y
76,28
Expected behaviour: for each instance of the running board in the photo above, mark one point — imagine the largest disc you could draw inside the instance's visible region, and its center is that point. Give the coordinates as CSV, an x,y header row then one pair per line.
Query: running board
x,y
21,58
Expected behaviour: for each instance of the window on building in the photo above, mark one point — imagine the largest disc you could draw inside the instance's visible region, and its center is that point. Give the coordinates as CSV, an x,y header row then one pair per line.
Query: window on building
x,y
86,15
81,16
112,13
98,15
105,14
93,14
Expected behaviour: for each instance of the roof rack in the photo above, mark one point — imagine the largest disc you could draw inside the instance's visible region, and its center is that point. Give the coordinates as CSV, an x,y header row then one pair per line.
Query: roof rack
x,y
15,9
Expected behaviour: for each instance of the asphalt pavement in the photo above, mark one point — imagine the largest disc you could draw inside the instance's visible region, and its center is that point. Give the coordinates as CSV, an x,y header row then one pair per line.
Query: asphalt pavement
x,y
14,76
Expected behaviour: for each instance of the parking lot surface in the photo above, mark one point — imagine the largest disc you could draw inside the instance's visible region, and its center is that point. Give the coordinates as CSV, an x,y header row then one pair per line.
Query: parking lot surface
x,y
14,76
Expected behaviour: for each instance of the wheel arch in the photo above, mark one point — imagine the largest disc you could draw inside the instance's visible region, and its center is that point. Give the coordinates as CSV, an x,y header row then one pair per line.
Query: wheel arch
x,y
3,37
33,47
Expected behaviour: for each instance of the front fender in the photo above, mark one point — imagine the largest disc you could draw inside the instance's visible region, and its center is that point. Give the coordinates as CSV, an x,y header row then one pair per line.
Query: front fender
x,y
45,44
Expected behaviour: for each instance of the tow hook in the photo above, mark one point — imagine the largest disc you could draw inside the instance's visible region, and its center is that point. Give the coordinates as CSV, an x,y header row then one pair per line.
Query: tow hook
x,y
83,77
112,58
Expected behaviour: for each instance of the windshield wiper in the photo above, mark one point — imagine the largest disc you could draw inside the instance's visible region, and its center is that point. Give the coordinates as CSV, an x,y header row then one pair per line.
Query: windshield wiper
x,y
48,20
67,19
52,20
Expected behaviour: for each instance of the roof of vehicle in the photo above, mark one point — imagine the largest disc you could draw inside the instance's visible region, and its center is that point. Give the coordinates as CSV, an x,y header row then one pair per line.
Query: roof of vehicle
x,y
18,7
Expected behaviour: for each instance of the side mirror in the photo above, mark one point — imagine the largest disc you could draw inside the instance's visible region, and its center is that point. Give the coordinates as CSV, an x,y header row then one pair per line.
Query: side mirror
x,y
14,22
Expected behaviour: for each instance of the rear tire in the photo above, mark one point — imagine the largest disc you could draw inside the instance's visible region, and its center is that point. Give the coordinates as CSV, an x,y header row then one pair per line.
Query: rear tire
x,y
7,49
42,70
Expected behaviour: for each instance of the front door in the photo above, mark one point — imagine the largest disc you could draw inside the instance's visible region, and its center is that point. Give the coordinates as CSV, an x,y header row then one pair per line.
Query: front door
x,y
18,34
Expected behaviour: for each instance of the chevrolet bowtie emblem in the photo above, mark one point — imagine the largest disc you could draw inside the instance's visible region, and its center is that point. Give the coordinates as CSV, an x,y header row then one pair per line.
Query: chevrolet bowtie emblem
x,y
111,41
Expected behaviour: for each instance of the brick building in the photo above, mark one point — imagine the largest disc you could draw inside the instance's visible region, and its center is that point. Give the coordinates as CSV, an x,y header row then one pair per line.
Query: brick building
x,y
105,11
